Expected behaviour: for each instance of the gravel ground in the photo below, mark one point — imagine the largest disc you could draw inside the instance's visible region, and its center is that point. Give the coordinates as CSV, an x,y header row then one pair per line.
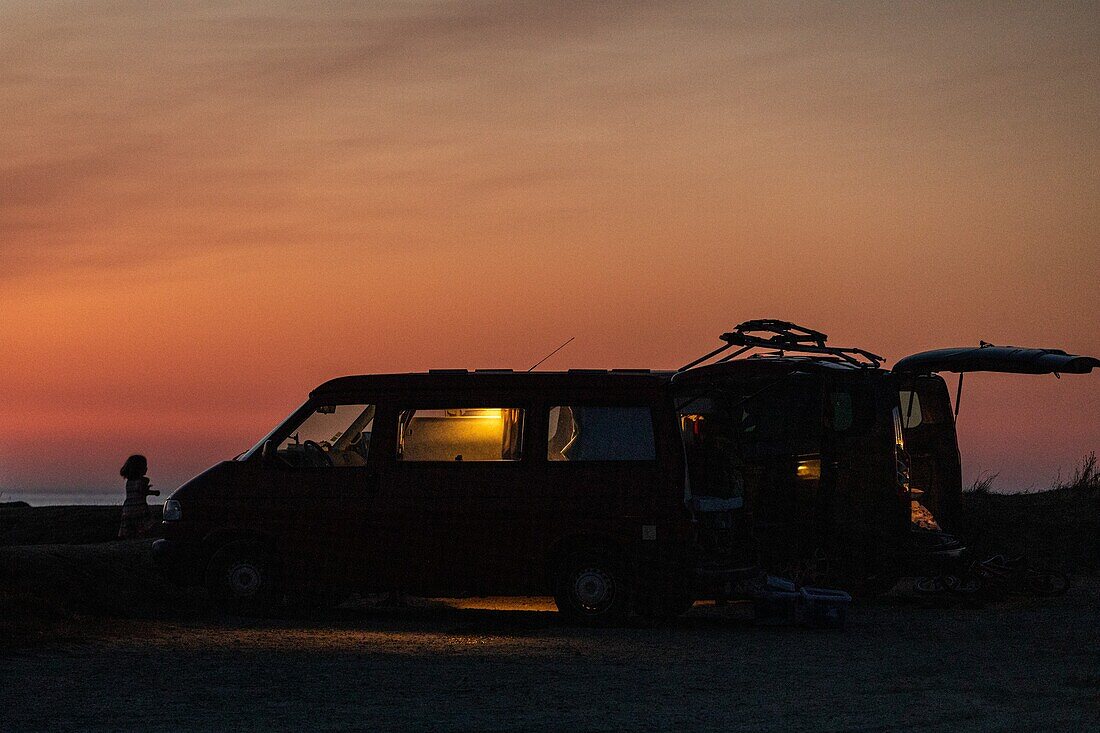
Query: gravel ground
x,y
507,664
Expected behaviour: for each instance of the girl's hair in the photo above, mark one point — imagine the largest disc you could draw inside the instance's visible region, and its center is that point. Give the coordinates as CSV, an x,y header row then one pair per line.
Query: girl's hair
x,y
134,468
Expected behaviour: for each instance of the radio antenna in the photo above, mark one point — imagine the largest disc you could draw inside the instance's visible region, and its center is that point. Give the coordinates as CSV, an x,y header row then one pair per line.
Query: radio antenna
x,y
551,354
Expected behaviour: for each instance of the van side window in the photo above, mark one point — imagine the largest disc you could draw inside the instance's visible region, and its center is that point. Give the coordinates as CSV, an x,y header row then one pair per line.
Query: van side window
x,y
332,435
931,403
911,415
460,434
600,434
849,409
843,415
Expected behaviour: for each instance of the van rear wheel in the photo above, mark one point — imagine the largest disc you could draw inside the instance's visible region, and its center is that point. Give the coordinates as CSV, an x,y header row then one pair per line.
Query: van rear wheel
x,y
591,589
241,579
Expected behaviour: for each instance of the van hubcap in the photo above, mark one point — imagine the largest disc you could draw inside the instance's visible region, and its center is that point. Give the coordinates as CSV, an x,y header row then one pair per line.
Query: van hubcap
x,y
244,578
592,589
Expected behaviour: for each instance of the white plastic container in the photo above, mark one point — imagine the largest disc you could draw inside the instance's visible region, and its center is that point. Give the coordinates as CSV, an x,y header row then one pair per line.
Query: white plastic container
x,y
823,608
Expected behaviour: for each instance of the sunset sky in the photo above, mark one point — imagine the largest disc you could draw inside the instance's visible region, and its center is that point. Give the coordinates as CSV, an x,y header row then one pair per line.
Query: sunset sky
x,y
206,210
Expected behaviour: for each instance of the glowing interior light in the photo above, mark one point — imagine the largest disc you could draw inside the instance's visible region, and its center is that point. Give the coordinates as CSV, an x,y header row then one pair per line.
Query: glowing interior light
x,y
485,413
809,469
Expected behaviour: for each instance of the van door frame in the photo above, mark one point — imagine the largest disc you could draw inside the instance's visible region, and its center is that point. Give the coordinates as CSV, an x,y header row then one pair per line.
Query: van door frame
x,y
933,449
320,517
449,514
568,515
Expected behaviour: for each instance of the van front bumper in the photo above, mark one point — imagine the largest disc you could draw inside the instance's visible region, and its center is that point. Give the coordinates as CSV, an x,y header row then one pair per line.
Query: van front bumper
x,y
177,561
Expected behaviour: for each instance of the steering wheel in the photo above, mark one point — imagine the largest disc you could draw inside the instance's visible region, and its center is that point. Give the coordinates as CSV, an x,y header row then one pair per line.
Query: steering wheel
x,y
312,446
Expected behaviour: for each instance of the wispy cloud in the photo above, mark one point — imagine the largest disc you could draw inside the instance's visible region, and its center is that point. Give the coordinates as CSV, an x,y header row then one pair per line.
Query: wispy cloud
x,y
142,125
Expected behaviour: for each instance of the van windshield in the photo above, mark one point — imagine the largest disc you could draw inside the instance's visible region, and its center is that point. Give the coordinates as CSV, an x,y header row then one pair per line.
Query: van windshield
x,y
322,435
333,435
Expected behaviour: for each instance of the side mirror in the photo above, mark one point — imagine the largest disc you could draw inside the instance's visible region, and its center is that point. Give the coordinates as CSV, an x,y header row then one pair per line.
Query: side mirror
x,y
267,453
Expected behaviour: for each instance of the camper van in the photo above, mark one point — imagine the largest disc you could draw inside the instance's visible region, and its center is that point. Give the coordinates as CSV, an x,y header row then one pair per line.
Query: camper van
x,y
614,491
447,483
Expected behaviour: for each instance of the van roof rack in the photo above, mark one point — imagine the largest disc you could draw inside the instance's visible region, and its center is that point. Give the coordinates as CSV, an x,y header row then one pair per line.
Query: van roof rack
x,y
784,338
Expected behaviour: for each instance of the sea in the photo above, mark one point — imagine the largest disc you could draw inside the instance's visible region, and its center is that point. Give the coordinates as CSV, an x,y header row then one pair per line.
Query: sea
x,y
52,498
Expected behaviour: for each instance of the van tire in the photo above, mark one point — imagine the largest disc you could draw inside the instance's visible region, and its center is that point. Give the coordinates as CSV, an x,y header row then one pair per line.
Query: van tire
x,y
241,579
591,589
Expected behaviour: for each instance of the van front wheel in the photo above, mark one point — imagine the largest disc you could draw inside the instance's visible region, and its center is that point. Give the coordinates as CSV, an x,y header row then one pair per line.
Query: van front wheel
x,y
591,589
241,579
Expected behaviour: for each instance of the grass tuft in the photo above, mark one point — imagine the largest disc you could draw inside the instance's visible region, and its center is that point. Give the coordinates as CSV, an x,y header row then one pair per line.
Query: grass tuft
x,y
1058,525
983,484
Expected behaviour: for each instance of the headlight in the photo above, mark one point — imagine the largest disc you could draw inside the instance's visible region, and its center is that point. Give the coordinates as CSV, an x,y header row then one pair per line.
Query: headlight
x,y
172,511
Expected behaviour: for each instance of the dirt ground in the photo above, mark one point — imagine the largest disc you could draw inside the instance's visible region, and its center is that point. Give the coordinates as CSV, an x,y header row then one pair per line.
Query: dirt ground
x,y
507,664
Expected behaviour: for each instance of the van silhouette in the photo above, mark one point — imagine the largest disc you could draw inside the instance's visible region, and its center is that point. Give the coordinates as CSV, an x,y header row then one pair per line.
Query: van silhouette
x,y
614,491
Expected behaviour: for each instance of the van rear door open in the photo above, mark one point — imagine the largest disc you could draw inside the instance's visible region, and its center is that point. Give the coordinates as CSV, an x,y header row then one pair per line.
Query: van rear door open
x,y
989,358
932,445
927,419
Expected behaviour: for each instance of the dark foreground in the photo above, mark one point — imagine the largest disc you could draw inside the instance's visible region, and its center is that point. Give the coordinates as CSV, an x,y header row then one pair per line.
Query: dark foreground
x,y
509,665
1017,667
92,639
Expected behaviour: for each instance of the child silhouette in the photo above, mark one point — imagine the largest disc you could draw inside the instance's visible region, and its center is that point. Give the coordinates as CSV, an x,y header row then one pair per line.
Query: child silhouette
x,y
135,512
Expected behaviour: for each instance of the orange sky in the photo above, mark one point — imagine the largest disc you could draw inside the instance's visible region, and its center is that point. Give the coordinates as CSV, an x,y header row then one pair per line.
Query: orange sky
x,y
205,211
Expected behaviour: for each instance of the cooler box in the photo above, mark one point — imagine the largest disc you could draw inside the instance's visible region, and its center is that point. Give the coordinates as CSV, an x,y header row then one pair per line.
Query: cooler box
x,y
776,604
775,608
823,608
